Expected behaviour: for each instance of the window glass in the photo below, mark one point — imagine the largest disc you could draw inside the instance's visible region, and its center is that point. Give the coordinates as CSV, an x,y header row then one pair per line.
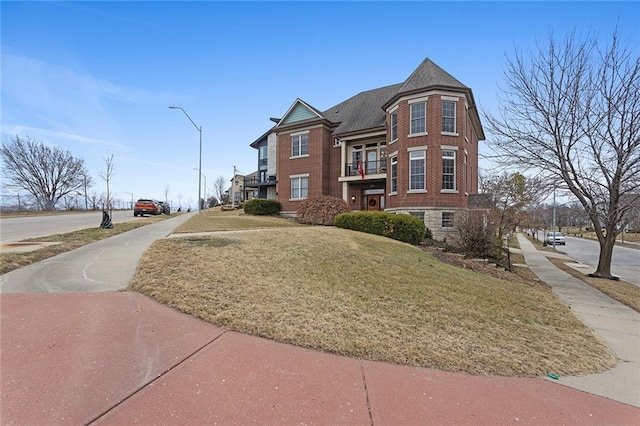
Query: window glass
x,y
299,145
299,187
418,117
447,219
394,125
417,170
449,116
448,169
394,174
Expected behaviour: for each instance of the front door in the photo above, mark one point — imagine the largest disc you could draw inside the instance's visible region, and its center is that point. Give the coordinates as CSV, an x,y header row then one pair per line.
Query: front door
x,y
373,202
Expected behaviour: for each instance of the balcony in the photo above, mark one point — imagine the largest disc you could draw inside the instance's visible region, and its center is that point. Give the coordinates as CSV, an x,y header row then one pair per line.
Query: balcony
x,y
369,168
255,182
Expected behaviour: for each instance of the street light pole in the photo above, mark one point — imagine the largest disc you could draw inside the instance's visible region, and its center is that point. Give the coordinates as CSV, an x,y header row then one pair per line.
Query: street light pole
x,y
199,129
130,193
205,186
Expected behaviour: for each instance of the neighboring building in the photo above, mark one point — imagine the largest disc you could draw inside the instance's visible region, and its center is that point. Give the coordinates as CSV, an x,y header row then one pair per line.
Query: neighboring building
x,y
265,181
236,190
409,148
249,191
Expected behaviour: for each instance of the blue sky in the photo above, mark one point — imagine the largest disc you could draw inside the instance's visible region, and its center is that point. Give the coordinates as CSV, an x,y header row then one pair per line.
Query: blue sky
x,y
97,78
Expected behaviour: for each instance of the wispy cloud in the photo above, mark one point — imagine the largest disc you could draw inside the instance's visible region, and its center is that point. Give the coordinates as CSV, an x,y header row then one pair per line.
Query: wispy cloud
x,y
44,135
64,100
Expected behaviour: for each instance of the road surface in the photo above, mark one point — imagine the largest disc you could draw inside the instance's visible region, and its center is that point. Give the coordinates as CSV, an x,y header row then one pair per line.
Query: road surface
x,y
13,229
625,263
106,265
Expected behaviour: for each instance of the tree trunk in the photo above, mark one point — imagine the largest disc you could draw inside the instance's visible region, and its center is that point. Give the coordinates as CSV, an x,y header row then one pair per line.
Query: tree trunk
x,y
604,259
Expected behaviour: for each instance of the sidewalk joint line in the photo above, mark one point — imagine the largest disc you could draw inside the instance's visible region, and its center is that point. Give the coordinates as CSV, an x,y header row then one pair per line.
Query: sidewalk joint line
x,y
140,388
366,392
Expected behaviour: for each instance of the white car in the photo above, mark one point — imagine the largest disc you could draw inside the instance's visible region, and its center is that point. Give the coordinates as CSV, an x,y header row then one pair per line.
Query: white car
x,y
549,238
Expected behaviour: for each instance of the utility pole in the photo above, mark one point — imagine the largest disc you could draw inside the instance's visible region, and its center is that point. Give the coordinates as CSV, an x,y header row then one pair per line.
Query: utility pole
x,y
233,184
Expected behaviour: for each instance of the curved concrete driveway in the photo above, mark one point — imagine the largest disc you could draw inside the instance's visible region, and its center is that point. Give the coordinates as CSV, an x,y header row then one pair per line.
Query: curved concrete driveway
x,y
107,265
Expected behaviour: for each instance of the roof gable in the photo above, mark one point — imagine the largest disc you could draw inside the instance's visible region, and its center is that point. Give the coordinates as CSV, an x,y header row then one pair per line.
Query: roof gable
x,y
299,111
429,74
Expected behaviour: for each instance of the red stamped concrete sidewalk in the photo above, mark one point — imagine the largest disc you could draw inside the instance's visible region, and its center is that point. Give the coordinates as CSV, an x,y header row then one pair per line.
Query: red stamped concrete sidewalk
x,y
121,358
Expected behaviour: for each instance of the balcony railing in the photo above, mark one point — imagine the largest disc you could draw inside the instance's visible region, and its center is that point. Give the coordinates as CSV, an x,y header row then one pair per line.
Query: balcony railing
x,y
368,167
254,181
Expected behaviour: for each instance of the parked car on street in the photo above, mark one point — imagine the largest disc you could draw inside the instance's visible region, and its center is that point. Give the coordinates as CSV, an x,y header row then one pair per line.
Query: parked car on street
x,y
549,238
146,206
166,208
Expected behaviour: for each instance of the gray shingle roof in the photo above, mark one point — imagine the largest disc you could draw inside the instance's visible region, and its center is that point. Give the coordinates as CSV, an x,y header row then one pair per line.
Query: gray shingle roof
x,y
365,110
429,74
362,111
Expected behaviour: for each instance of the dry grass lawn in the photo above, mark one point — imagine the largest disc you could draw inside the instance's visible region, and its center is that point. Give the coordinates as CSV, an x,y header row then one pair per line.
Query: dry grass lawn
x,y
367,297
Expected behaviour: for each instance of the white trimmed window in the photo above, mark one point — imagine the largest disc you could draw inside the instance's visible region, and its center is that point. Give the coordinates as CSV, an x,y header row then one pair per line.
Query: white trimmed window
x,y
299,187
300,145
417,170
448,117
448,169
447,219
418,123
394,174
394,125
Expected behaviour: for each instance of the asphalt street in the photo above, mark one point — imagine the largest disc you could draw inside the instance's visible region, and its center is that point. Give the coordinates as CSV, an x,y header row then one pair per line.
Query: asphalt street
x,y
107,265
14,229
625,263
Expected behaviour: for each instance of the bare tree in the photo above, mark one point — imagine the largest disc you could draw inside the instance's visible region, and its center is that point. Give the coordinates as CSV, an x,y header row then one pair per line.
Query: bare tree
x,y
166,193
218,187
94,200
47,173
107,174
571,110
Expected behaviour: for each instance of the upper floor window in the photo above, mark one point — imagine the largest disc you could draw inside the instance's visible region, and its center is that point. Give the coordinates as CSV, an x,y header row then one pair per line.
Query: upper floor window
x,y
262,152
299,187
448,169
394,174
300,145
448,116
417,170
394,125
418,118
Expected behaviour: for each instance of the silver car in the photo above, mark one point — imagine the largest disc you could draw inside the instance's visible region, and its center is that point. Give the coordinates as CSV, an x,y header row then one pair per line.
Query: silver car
x,y
549,238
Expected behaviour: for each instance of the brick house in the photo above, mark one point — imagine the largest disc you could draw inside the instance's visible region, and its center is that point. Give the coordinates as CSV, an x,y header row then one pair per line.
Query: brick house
x,y
409,148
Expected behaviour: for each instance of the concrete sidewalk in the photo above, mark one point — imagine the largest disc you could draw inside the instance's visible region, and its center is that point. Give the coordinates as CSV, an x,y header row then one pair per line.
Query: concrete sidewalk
x,y
616,324
107,357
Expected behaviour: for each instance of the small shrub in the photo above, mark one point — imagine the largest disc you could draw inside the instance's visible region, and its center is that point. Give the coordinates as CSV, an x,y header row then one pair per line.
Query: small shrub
x,y
321,210
401,227
262,207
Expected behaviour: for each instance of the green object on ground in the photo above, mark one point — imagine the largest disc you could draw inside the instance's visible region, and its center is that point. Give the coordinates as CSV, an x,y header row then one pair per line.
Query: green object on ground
x,y
553,376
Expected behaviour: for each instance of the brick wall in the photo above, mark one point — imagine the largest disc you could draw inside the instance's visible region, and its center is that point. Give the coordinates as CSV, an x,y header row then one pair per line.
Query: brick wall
x,y
433,141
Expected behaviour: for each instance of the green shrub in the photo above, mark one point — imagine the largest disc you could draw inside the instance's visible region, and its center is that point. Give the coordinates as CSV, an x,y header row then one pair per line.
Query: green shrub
x,y
321,210
401,227
262,207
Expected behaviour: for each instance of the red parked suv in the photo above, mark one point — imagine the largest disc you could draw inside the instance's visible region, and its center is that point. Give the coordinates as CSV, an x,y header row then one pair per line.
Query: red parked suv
x,y
146,206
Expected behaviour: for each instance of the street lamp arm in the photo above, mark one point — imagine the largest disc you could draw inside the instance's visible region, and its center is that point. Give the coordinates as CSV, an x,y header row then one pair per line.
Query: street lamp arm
x,y
185,113
199,129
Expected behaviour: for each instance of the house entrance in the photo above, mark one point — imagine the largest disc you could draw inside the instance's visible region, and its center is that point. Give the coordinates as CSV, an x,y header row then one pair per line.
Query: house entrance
x,y
373,202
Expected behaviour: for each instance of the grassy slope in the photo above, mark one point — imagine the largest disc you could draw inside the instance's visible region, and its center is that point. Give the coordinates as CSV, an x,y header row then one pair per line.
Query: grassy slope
x,y
368,297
